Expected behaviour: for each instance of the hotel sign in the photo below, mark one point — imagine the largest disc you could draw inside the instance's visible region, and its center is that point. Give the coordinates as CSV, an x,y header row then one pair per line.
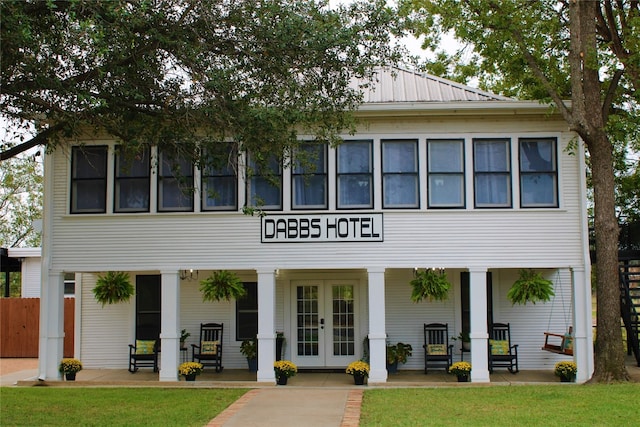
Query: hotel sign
x,y
322,228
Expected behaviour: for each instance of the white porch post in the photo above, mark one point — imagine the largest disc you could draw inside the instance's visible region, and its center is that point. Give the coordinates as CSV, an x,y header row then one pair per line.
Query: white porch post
x,y
266,325
478,333
583,333
51,345
170,325
377,327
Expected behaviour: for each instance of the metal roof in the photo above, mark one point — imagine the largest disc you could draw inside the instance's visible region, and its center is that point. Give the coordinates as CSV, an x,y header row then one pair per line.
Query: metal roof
x,y
395,85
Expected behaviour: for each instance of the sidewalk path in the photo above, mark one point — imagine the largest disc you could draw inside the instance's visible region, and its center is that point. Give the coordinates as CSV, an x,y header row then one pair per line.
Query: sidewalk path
x,y
291,406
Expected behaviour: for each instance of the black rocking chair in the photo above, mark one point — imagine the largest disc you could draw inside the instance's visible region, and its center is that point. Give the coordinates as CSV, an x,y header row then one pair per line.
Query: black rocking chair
x,y
437,350
501,353
209,350
143,354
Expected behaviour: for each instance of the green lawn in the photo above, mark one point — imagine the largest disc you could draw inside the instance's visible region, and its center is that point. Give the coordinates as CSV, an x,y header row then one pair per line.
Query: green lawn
x,y
578,405
53,406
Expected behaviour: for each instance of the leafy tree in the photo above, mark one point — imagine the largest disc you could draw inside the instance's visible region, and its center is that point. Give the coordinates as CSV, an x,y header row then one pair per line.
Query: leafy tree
x,y
550,50
181,72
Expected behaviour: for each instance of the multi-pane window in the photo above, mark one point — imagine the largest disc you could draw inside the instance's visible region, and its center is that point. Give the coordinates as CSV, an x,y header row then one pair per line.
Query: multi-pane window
x,y
355,175
175,182
491,160
247,313
89,179
538,173
265,184
400,173
219,179
309,177
446,173
132,180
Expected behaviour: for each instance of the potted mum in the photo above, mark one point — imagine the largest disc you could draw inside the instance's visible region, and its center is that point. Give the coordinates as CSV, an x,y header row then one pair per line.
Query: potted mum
x,y
284,369
70,367
189,370
566,371
359,369
462,370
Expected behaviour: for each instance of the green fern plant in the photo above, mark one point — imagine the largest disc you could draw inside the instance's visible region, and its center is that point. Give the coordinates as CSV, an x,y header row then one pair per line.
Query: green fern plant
x,y
222,285
428,284
113,287
530,287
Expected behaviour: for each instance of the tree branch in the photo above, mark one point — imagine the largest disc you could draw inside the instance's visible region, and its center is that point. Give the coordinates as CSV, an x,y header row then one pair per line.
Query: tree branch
x,y
41,138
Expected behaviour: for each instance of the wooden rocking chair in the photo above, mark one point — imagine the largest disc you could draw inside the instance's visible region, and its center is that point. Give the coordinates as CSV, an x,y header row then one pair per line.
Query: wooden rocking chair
x,y
208,351
501,353
437,350
143,354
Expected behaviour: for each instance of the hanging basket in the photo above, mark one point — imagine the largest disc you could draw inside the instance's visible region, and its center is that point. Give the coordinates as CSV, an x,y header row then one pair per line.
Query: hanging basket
x,y
222,285
113,287
530,287
431,285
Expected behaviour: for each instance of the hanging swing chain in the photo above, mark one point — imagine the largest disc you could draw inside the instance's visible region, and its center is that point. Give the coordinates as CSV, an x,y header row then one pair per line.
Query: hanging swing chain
x,y
559,288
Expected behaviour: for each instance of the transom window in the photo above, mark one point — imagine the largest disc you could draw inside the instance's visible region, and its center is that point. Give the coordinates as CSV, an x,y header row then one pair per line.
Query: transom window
x,y
219,178
265,184
446,173
538,173
309,177
400,174
491,166
89,179
355,175
175,182
132,180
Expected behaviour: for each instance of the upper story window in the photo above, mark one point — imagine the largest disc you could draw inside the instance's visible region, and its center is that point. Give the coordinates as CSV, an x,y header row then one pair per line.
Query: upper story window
x,y
175,182
538,173
219,178
446,173
355,175
89,179
265,184
492,172
400,174
309,178
132,180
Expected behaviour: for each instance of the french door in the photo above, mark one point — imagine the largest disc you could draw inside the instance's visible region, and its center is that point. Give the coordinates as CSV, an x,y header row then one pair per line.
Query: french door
x,y
324,323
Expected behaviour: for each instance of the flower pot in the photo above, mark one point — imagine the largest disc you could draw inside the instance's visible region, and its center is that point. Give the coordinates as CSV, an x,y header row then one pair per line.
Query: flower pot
x,y
190,377
392,368
463,378
279,346
358,379
282,380
466,345
253,365
71,376
567,379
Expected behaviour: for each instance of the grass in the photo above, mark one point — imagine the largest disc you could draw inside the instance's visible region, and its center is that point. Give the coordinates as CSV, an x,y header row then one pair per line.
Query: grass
x,y
48,406
610,405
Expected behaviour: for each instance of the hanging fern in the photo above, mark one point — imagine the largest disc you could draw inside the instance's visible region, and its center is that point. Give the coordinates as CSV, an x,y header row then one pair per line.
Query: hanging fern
x,y
430,285
530,287
113,287
222,285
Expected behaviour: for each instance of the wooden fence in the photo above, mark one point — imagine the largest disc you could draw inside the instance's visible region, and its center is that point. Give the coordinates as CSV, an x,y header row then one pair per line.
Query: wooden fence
x,y
20,327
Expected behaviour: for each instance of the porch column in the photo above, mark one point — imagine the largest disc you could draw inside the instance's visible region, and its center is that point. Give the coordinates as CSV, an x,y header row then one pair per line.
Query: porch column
x,y
583,332
170,325
478,333
266,325
377,327
51,344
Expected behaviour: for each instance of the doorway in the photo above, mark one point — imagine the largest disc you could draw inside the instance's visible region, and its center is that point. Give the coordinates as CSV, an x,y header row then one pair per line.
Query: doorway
x,y
148,314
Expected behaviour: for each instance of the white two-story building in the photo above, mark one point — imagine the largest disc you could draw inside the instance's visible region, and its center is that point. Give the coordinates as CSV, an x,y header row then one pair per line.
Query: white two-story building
x,y
438,175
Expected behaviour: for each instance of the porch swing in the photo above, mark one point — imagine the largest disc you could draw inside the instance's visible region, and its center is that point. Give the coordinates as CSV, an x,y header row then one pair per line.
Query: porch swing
x,y
559,343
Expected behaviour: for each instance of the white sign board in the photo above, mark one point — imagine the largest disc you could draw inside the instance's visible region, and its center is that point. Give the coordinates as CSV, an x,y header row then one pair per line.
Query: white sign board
x,y
322,228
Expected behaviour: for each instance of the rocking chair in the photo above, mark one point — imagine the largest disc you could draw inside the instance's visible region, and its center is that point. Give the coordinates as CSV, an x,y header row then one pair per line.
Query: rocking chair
x,y
501,353
437,350
209,350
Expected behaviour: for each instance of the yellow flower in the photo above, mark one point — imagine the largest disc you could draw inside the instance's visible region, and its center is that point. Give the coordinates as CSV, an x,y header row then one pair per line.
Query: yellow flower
x,y
70,366
566,369
358,368
190,368
460,368
284,368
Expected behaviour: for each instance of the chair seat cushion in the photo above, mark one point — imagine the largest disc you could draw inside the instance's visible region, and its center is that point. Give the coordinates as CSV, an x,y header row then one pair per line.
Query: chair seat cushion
x,y
145,346
436,349
209,347
499,347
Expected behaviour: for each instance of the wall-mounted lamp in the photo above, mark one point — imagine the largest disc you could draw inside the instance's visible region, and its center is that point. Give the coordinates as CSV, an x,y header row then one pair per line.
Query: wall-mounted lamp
x,y
189,274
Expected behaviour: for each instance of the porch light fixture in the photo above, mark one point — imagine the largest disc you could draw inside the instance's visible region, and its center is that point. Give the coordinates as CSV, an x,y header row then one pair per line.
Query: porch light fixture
x,y
190,274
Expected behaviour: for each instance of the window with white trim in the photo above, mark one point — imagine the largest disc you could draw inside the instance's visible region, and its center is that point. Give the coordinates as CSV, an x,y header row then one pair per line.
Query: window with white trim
x,y
265,184
538,173
355,175
446,173
89,179
132,180
492,173
175,182
219,178
400,174
309,177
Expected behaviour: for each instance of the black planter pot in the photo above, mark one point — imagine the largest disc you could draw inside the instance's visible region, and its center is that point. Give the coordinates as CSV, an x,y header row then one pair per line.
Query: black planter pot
x,y
253,365
358,379
279,345
191,377
282,380
70,376
463,378
392,368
